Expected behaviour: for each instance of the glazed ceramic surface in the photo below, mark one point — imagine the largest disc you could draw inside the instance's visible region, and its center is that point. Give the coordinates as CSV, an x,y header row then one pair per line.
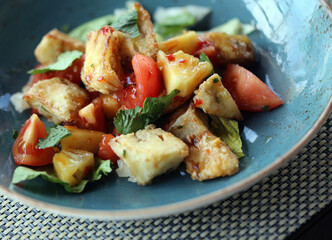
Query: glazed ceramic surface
x,y
293,41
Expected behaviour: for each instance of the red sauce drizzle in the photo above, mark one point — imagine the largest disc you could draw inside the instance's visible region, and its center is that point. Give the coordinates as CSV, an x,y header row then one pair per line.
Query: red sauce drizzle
x,y
170,57
198,102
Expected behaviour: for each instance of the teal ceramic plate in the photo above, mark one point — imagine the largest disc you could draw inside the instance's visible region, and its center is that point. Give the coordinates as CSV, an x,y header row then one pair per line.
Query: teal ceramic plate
x,y
293,44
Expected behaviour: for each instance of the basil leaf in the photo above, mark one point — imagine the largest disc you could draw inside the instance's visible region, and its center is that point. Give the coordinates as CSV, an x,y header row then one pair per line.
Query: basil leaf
x,y
102,167
55,134
132,120
64,61
127,23
82,30
228,131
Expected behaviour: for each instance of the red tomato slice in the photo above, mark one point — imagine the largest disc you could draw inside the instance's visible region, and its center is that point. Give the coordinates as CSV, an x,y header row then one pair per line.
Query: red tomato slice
x,y
148,78
105,151
72,73
248,91
24,148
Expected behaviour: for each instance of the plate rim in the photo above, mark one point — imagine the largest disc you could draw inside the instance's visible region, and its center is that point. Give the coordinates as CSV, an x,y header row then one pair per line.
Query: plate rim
x,y
186,205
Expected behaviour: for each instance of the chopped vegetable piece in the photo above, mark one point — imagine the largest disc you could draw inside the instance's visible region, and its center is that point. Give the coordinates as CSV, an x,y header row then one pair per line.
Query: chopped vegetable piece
x,y
105,151
148,78
248,91
24,148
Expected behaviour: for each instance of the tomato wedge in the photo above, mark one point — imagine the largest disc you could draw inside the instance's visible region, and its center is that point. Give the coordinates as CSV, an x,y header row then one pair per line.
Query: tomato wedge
x,y
248,91
148,78
105,151
25,151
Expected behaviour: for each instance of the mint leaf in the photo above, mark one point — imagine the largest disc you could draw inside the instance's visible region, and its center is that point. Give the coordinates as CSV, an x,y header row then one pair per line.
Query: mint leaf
x,y
127,121
127,23
55,134
204,58
82,30
64,61
102,167
228,131
132,120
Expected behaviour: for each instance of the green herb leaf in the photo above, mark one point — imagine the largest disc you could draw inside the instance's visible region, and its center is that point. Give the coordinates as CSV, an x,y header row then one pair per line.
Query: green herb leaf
x,y
15,134
102,167
228,131
55,134
64,61
204,58
82,30
127,23
132,120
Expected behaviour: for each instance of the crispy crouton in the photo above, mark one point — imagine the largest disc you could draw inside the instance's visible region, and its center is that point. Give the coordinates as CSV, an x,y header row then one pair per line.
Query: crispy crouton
x,y
57,99
146,42
209,157
149,152
53,44
213,98
232,48
187,42
102,69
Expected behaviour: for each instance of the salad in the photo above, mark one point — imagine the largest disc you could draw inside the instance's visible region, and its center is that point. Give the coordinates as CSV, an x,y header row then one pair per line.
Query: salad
x,y
138,97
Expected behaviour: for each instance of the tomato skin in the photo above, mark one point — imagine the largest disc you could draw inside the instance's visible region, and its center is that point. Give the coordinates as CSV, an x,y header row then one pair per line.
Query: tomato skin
x,y
24,148
105,151
248,91
148,78
72,73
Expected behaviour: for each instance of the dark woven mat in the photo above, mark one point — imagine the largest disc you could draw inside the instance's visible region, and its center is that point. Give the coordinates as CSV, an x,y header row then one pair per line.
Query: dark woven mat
x,y
271,209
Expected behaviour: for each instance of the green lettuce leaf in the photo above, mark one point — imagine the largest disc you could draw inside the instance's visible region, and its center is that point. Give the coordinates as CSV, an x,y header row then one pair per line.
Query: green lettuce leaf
x,y
102,167
64,61
82,30
55,134
228,131
127,23
170,22
233,27
132,120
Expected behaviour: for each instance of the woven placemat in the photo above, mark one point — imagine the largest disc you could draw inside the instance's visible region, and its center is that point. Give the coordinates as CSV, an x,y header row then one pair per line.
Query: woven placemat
x,y
271,209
